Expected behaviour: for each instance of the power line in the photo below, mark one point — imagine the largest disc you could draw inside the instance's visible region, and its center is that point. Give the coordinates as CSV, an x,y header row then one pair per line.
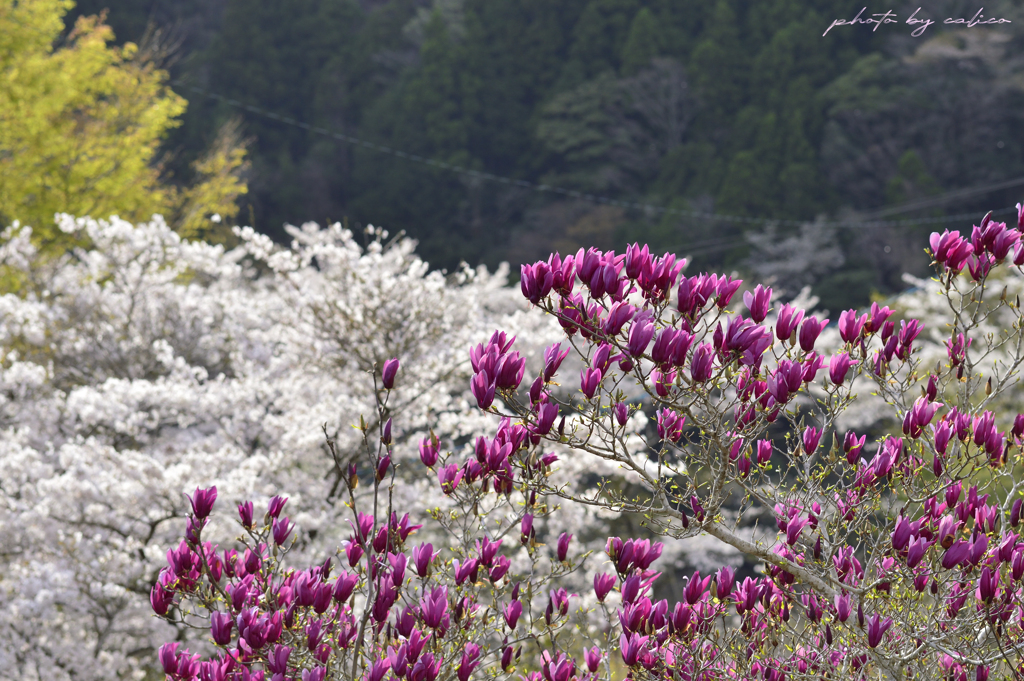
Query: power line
x,y
863,221
946,198
714,245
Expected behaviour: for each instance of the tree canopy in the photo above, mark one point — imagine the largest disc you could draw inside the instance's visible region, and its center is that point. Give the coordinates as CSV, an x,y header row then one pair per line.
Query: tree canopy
x,y
81,124
767,118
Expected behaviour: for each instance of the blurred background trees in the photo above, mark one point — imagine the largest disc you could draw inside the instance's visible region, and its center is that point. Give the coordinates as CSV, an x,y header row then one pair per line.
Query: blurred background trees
x,y
733,106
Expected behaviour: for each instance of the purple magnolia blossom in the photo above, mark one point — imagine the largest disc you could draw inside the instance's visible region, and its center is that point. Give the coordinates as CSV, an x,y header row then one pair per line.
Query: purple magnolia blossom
x,y
245,510
793,529
378,670
877,320
161,598
637,261
429,448
450,476
702,363
427,668
725,289
919,416
742,338
785,381
621,411
851,326
344,586
618,317
788,321
809,332
563,546
1017,564
526,528
488,550
500,568
876,629
853,446
483,389
631,588
943,433
536,281
398,659
631,645
465,570
389,372
276,505
282,529
811,438
758,302
950,250
811,365
695,587
843,607
590,380
559,601
546,415
512,613
277,661
988,584
724,580
743,465
670,425
507,657
202,502
839,366
957,554
434,606
385,461
909,332
902,533
470,661
640,334
603,584
661,351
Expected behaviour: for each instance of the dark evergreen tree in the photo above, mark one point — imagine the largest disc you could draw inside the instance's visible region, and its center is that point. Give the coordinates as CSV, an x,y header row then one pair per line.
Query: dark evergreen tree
x,y
644,42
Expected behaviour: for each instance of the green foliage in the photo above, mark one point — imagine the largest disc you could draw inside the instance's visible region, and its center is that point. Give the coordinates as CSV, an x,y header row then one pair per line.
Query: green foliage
x,y
81,122
720,65
79,125
643,43
732,106
598,39
912,182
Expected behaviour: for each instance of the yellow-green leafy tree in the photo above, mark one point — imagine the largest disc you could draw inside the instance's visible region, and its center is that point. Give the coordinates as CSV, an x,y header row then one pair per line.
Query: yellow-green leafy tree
x,y
81,123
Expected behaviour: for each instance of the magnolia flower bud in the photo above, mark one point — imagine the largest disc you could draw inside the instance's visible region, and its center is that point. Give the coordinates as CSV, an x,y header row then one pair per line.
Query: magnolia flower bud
x,y
245,513
388,373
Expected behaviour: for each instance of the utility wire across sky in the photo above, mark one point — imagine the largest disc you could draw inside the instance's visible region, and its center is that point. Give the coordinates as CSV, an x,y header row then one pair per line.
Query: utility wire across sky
x,y
866,220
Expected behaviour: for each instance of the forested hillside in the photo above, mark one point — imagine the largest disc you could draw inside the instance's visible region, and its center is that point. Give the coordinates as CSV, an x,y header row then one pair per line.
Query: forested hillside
x,y
734,107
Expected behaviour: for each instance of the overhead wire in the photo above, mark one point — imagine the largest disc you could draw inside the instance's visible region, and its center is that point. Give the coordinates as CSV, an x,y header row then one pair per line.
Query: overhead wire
x,y
865,220
703,248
